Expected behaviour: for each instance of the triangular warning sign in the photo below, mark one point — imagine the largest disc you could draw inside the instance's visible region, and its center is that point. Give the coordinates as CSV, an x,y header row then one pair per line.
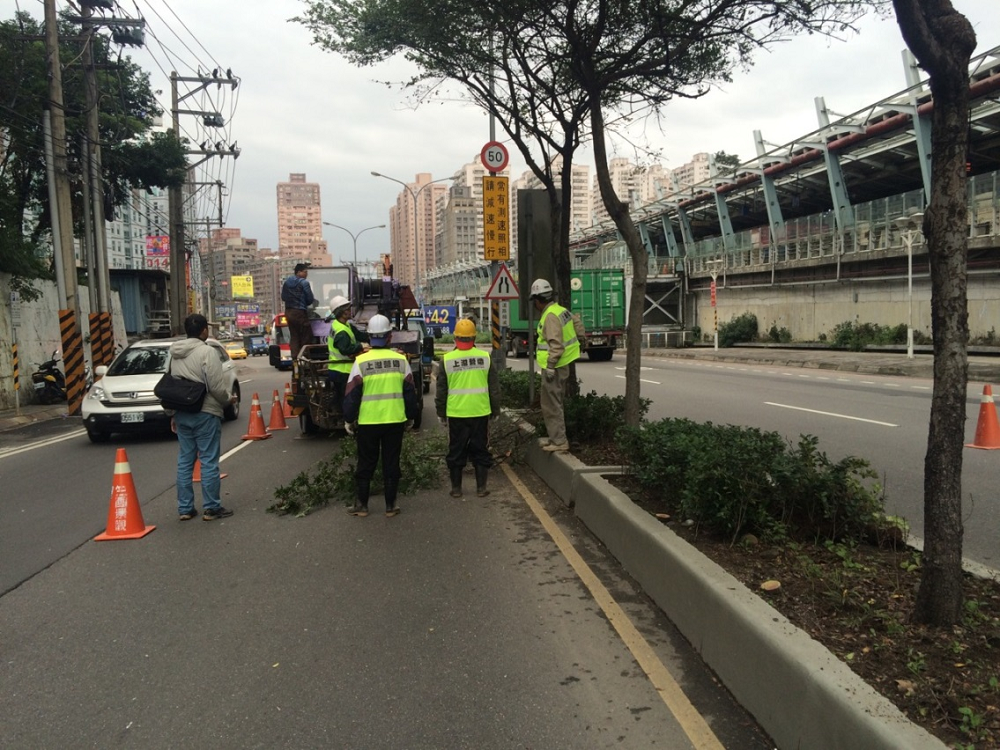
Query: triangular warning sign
x,y
503,286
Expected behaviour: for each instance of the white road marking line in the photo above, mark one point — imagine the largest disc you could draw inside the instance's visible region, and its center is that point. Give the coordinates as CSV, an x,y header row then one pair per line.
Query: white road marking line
x,y
239,447
41,443
831,414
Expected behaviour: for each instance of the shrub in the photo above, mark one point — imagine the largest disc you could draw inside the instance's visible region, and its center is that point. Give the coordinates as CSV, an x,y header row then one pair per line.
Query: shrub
x,y
736,480
779,335
856,336
741,329
514,388
590,417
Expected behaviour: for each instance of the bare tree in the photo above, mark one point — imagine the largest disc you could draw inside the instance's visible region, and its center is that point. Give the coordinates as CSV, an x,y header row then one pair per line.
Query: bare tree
x,y
943,41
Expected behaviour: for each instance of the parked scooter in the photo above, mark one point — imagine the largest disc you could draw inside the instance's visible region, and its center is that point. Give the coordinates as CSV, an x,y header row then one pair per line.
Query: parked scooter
x,y
49,381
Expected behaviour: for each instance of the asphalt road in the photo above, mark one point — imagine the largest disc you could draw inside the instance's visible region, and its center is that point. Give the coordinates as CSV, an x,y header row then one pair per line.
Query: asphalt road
x,y
881,418
458,624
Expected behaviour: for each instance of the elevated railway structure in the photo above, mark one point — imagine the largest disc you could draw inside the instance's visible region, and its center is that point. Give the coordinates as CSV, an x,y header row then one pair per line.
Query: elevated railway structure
x,y
820,231
812,233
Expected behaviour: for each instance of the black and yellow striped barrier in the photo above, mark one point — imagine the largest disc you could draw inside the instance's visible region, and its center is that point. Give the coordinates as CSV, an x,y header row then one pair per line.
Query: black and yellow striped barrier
x,y
17,368
73,362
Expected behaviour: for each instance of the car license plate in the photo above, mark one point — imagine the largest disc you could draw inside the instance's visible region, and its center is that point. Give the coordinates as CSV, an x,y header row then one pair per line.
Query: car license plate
x,y
133,416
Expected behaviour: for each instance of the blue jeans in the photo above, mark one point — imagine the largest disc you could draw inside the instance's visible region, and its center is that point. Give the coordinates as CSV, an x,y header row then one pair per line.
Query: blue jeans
x,y
199,436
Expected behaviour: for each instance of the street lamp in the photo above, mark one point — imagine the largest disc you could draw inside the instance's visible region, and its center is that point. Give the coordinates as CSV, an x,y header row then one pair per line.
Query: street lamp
x,y
910,224
354,237
414,194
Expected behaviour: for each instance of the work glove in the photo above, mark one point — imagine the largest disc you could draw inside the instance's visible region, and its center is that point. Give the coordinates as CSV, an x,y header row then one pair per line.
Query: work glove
x,y
349,427
443,421
408,425
549,375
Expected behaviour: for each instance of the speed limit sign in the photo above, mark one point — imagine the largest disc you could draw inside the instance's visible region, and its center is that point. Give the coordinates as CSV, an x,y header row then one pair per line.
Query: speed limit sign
x,y
494,156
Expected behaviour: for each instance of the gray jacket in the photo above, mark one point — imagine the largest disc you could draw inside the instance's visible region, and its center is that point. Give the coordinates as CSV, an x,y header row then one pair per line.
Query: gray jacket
x,y
195,360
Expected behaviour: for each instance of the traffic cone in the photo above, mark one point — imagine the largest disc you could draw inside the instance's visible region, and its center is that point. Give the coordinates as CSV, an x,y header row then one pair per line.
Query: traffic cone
x,y
196,474
124,514
256,429
277,420
286,411
988,428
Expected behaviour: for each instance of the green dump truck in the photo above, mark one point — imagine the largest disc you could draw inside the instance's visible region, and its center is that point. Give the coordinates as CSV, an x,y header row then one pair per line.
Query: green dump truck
x,y
598,297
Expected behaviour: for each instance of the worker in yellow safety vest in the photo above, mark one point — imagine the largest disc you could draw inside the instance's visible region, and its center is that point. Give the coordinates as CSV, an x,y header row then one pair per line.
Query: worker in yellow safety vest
x,y
379,404
557,347
467,397
344,343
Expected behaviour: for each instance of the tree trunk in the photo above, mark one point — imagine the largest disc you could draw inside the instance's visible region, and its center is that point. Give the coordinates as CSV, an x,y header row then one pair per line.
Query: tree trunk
x,y
943,41
619,213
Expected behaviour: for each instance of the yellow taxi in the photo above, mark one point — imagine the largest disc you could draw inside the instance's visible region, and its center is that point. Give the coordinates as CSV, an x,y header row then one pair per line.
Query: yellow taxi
x,y
236,350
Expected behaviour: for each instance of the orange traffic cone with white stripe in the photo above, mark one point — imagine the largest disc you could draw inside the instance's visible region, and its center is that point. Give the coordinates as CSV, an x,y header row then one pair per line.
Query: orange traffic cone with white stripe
x,y
277,420
988,428
196,474
286,411
256,430
124,514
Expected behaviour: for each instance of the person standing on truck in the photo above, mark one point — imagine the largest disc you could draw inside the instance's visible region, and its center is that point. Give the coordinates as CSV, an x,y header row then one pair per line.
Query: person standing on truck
x,y
379,404
556,349
344,343
467,397
298,297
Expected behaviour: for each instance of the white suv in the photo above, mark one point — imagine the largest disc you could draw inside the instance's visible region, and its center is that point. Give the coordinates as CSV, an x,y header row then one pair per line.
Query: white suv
x,y
122,400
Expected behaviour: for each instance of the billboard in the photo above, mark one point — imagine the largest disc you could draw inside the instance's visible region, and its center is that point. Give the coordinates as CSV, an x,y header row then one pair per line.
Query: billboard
x,y
157,252
242,287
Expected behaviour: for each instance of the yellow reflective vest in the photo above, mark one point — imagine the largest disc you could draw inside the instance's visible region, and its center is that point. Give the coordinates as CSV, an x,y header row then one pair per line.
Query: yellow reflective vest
x,y
339,361
468,382
382,374
571,343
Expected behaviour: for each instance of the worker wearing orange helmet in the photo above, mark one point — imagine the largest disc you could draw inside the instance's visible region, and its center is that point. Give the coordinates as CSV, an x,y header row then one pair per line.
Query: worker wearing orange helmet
x,y
467,397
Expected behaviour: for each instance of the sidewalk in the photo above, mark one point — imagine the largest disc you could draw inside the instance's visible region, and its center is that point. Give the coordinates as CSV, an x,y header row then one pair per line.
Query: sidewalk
x,y
32,413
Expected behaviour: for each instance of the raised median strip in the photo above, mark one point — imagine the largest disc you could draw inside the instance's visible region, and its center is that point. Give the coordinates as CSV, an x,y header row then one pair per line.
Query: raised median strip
x,y
799,692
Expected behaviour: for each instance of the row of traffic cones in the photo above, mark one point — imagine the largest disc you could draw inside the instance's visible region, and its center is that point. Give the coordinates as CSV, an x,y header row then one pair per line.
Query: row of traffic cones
x,y
125,519
256,429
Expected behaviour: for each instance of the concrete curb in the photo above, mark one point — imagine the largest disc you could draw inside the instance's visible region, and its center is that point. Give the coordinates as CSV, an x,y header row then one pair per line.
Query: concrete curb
x,y
802,695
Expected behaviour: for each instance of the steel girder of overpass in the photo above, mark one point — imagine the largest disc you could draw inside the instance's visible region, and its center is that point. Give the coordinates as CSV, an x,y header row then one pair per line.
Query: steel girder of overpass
x,y
832,198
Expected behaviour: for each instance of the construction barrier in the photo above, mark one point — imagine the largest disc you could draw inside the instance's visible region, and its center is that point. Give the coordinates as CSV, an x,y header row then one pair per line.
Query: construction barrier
x,y
124,514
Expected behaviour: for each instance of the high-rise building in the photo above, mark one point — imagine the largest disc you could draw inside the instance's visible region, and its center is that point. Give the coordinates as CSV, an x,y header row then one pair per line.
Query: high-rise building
x,y
300,221
626,179
695,171
413,228
460,228
579,203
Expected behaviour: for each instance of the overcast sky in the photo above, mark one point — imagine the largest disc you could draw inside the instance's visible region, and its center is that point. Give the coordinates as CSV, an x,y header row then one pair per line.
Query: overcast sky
x,y
299,109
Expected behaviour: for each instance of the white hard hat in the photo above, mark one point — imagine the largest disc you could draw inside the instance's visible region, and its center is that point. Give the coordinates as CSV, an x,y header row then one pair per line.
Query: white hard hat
x,y
338,302
379,326
540,288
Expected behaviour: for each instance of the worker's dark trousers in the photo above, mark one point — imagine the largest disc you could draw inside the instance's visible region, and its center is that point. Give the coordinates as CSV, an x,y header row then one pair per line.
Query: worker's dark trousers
x,y
468,438
338,382
373,438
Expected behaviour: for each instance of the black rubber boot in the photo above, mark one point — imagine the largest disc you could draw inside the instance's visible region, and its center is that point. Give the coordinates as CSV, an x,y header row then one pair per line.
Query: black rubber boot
x,y
360,508
456,481
391,489
482,472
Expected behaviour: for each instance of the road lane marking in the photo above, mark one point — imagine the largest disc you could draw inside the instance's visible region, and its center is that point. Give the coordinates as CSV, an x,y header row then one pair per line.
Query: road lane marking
x,y
6,453
239,447
641,380
693,723
831,414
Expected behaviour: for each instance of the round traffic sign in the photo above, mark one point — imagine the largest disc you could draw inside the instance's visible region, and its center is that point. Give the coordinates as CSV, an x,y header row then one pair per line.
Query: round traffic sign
x,y
494,156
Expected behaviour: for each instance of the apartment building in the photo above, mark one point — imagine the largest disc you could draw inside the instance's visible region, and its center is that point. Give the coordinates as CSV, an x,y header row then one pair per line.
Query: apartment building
x,y
300,221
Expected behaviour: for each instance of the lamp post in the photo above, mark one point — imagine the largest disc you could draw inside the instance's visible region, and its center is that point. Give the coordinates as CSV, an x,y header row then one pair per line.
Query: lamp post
x,y
910,224
414,194
354,237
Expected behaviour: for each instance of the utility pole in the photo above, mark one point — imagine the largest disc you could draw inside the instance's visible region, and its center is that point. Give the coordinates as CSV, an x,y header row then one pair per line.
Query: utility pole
x,y
92,172
62,234
178,276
